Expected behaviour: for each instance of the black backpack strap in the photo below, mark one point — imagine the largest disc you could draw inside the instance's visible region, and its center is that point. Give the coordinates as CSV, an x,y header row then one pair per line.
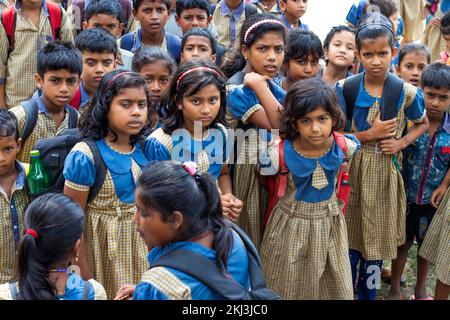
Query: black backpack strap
x,y
249,10
203,270
392,90
350,91
100,169
86,290
31,115
73,117
13,289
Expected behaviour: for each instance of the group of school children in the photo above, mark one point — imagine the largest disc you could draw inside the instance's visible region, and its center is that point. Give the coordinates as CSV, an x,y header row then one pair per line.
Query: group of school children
x,y
159,172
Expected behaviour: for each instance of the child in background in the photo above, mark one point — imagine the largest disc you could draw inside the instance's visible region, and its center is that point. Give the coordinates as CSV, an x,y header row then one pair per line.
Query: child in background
x,y
411,12
293,10
49,248
157,67
271,6
432,38
13,197
426,163
194,130
111,251
262,43
339,52
99,50
376,208
412,59
57,79
178,208
152,16
32,31
301,61
445,32
198,43
304,248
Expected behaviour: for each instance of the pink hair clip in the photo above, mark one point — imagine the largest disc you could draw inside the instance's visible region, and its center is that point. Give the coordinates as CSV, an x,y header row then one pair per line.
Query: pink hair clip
x,y
192,169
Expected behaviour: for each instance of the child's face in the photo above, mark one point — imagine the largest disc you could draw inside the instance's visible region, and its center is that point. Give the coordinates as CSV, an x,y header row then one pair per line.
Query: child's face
x,y
95,66
201,107
266,54
191,18
127,114
295,8
315,128
9,148
446,38
376,56
152,15
197,47
157,78
436,102
58,87
341,50
412,66
109,23
302,69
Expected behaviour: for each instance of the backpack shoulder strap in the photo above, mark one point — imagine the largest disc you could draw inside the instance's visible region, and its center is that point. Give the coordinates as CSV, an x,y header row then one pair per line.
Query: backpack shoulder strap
x,y
55,16
282,173
73,117
392,90
13,289
249,10
8,18
173,45
86,290
350,91
126,42
31,116
100,169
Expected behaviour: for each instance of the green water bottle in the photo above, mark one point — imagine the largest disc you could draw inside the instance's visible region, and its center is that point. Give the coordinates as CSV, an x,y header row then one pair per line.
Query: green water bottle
x,y
38,178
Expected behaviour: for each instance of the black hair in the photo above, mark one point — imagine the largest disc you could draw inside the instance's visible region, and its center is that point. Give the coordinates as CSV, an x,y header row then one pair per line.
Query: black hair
x,y
235,61
437,76
8,124
94,122
58,222
373,26
300,44
445,24
96,40
165,187
202,32
182,5
306,96
58,55
106,7
333,31
190,84
413,47
149,55
384,7
137,4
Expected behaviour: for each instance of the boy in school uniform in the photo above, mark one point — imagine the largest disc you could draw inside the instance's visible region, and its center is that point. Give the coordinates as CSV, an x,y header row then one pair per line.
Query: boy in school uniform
x,y
198,43
57,79
293,10
271,6
152,16
106,14
98,50
13,198
18,59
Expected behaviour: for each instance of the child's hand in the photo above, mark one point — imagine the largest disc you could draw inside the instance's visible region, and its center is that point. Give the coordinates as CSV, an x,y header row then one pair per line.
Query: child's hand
x,y
383,129
435,22
391,146
255,80
125,292
437,195
231,206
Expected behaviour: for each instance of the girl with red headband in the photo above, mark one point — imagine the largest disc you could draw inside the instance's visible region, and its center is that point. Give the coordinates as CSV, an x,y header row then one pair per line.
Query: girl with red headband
x,y
193,129
112,251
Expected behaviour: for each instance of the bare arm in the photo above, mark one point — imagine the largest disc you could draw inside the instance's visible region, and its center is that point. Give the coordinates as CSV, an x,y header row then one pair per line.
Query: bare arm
x,y
2,97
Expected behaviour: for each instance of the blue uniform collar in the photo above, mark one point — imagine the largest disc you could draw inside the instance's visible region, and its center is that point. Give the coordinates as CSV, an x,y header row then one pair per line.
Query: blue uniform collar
x,y
158,252
21,176
225,10
84,96
120,163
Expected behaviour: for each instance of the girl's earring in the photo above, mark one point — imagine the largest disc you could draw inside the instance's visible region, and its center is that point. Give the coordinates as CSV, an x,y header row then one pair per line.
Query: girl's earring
x,y
180,107
74,268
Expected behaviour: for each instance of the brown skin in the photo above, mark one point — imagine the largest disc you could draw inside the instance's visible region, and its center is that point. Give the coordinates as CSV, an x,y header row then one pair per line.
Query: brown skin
x,y
9,149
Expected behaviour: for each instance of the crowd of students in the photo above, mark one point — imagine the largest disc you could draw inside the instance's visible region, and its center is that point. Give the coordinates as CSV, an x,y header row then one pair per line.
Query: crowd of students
x,y
246,118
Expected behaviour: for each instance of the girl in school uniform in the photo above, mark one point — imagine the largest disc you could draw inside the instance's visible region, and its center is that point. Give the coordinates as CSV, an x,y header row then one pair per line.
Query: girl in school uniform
x,y
263,40
194,130
49,248
432,38
377,205
112,251
304,251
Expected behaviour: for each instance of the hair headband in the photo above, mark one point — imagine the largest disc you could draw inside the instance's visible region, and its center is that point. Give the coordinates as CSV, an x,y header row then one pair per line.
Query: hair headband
x,y
196,69
253,26
114,78
32,232
373,25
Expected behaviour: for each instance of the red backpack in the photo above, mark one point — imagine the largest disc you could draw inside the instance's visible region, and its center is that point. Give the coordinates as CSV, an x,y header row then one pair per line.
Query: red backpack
x,y
277,184
9,17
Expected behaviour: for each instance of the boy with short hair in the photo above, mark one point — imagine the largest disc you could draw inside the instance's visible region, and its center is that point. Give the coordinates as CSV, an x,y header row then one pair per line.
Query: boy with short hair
x,y
426,171
198,43
13,198
57,78
18,59
106,14
98,50
152,16
293,10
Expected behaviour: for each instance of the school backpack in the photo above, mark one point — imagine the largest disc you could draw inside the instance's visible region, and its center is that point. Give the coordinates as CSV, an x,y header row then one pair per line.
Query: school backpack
x,y
209,274
9,18
53,152
84,296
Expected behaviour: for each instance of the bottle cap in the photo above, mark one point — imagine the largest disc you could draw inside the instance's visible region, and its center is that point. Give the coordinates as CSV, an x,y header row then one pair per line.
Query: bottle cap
x,y
34,153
